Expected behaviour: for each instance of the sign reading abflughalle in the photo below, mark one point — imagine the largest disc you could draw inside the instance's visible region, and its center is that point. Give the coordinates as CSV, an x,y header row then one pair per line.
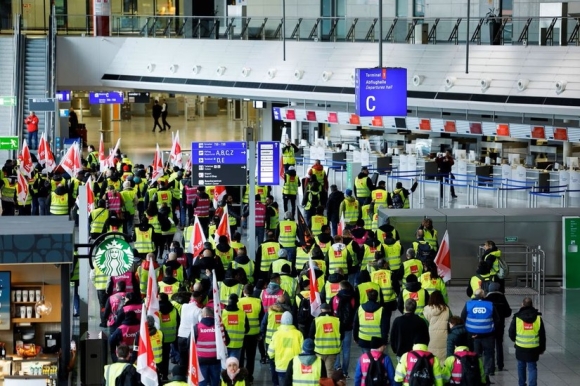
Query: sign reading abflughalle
x,y
113,256
381,92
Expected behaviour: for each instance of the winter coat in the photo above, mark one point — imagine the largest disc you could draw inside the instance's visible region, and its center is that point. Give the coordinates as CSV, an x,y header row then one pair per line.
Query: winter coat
x,y
457,336
438,321
528,315
239,378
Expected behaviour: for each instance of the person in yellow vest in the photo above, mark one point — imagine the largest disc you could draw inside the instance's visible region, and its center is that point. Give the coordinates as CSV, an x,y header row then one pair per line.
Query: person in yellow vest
x,y
234,375
252,306
313,197
339,257
74,183
332,285
364,286
272,215
288,154
392,249
363,187
288,283
482,279
59,202
400,196
237,325
370,322
130,201
430,234
242,261
366,215
266,253
316,172
286,343
287,236
169,320
349,209
178,270
169,285
324,240
122,369
224,251
379,197
144,237
231,285
306,368
431,281
413,291
8,196
328,335
528,332
390,288
156,339
318,220
410,266
278,264
163,196
98,218
290,190
404,371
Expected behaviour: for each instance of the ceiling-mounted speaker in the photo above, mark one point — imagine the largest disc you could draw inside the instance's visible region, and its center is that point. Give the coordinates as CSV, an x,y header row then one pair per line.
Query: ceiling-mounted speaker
x,y
522,84
173,68
272,73
151,67
298,74
485,84
196,69
220,70
560,86
450,81
418,80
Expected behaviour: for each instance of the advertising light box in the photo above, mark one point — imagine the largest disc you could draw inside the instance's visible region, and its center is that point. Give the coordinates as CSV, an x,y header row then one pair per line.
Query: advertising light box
x,y
381,92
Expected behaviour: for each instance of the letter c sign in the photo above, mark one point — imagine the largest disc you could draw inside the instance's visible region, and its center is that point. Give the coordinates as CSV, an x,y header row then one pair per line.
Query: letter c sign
x,y
368,103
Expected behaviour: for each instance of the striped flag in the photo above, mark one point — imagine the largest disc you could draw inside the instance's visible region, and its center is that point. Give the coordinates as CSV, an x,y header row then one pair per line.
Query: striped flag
x,y
145,360
443,259
315,301
194,373
152,291
220,339
223,228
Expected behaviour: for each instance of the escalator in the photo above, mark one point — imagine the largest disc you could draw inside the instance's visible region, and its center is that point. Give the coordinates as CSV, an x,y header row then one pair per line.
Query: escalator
x,y
35,72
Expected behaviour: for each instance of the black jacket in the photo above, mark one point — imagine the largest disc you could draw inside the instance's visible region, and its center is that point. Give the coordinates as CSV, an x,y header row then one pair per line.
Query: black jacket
x,y
242,376
528,315
333,205
503,309
385,321
457,336
408,329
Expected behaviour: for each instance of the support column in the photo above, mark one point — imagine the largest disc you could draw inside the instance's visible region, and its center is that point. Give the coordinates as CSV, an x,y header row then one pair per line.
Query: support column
x,y
66,322
294,131
106,122
264,122
566,151
101,18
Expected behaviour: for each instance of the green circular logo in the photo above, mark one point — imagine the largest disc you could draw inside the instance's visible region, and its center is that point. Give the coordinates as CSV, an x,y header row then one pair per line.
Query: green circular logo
x,y
114,256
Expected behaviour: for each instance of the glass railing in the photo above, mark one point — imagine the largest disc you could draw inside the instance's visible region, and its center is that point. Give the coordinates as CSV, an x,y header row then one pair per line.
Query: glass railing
x,y
504,30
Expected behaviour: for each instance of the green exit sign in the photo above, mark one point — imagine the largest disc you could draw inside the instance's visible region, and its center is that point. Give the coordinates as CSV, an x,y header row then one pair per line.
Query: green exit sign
x,y
9,143
511,239
7,101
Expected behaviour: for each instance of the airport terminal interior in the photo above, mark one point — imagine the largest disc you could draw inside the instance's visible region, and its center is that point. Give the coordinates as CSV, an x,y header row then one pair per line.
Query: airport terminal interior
x,y
506,106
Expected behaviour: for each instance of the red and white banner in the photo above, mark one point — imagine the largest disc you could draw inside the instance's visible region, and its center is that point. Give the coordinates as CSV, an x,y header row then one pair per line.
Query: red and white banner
x,y
145,360
103,163
111,158
197,239
90,195
282,171
315,301
220,338
25,159
223,228
45,156
194,372
152,291
218,195
157,171
21,188
443,259
175,156
341,226
71,162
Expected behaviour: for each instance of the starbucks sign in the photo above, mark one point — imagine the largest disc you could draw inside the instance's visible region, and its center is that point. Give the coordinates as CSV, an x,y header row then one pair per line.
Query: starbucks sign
x,y
114,256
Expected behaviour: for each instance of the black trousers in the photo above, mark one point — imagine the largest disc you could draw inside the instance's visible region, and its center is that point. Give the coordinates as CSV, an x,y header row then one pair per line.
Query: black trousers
x,y
183,348
156,123
164,120
446,178
289,201
249,354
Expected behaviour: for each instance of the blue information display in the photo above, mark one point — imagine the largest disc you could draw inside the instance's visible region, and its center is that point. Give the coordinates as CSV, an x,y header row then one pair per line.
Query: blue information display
x,y
106,97
277,113
219,163
268,163
381,92
42,104
64,95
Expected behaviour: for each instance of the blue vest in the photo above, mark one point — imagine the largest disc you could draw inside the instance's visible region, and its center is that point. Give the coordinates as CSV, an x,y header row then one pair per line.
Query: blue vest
x,y
479,317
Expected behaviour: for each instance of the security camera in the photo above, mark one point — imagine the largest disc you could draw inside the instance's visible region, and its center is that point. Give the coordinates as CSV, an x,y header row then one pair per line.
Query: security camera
x,y
522,84
485,83
560,86
417,80
326,75
173,68
220,70
450,81
196,69
246,71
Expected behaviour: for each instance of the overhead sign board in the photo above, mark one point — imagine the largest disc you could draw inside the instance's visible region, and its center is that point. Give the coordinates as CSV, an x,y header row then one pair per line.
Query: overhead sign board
x,y
63,95
9,143
42,104
219,163
106,97
139,97
381,92
268,163
7,101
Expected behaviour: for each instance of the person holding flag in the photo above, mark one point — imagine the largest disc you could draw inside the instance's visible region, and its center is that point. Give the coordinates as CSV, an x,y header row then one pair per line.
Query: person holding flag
x,y
145,357
45,156
443,258
206,346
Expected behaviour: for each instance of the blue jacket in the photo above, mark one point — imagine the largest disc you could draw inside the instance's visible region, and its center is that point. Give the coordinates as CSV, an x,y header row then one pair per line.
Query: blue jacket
x,y
387,363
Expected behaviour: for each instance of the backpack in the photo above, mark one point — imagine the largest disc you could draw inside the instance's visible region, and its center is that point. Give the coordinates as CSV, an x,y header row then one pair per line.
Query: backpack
x,y
424,251
376,373
422,372
303,316
485,282
504,269
397,201
470,371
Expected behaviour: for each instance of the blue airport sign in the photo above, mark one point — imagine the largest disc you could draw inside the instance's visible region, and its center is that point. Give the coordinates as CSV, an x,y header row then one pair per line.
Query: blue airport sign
x,y
381,92
63,95
41,104
106,97
277,112
219,163
268,163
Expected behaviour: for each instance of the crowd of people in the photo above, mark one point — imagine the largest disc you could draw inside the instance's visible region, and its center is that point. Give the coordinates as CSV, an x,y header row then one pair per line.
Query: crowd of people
x,y
359,267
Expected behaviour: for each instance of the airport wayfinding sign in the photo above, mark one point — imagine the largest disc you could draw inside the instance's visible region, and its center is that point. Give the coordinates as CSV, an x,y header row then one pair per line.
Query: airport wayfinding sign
x,y
9,143
7,101
381,92
219,163
268,163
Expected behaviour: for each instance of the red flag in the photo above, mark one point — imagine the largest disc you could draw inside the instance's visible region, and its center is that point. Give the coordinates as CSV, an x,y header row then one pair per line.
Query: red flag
x,y
25,159
21,188
315,301
223,228
194,374
102,159
152,303
157,166
443,259
42,150
282,171
145,360
111,158
219,193
71,162
90,195
220,338
46,154
341,226
188,164
175,156
197,239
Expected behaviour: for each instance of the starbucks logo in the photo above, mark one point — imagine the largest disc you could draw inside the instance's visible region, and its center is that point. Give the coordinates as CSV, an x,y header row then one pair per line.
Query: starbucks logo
x,y
114,257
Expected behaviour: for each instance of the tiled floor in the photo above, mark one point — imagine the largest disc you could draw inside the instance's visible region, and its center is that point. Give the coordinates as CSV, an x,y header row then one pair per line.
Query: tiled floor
x,y
560,365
